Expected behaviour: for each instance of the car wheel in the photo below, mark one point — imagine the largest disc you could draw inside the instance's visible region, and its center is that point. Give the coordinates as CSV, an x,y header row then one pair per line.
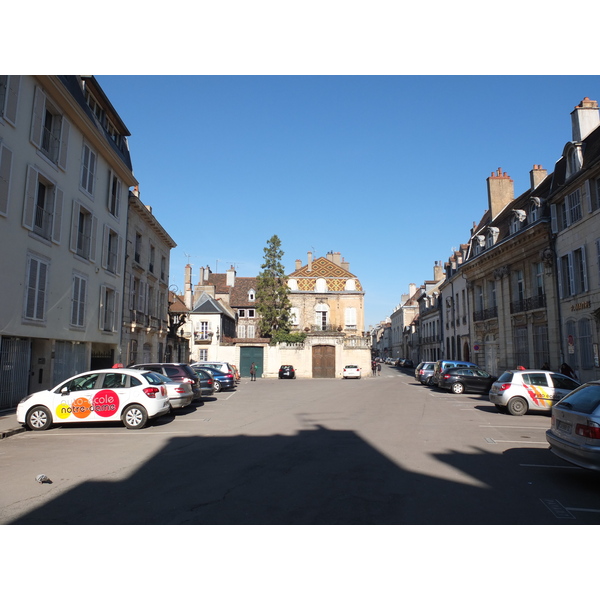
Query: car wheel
x,y
135,417
517,406
458,388
39,418
217,386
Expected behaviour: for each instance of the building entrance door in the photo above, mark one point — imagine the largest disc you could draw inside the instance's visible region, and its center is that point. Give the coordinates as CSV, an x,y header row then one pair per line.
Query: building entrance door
x,y
323,361
249,355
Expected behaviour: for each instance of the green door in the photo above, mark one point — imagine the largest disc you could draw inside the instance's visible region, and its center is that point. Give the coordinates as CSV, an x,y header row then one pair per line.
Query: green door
x,y
249,355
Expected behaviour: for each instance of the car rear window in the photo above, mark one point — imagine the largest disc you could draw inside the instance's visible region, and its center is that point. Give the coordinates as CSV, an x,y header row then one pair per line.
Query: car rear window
x,y
506,377
535,378
585,400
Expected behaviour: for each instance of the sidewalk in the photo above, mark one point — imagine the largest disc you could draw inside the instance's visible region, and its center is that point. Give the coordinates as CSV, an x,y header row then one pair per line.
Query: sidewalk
x,y
8,424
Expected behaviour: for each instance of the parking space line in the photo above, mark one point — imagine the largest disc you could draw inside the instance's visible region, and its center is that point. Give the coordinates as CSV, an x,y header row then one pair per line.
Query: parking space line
x,y
514,427
557,509
516,442
548,466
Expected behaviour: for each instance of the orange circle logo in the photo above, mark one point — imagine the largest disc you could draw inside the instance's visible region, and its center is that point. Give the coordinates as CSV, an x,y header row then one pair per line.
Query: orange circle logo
x,y
81,408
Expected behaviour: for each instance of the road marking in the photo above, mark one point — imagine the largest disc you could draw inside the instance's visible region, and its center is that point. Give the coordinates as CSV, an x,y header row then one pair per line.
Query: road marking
x,y
548,466
557,509
592,510
514,426
517,442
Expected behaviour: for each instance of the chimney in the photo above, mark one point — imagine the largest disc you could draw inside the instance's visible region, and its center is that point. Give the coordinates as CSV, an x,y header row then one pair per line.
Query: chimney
x,y
584,119
230,277
188,294
501,191
345,265
438,271
298,264
309,254
537,175
337,258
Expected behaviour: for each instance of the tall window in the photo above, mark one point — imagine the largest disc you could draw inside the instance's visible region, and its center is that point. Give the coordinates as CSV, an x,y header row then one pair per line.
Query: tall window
x,y
9,94
518,286
152,258
114,194
42,212
521,346
574,206
573,273
36,288
83,232
108,308
49,129
584,340
538,278
241,331
541,353
88,169
350,318
78,298
112,251
251,331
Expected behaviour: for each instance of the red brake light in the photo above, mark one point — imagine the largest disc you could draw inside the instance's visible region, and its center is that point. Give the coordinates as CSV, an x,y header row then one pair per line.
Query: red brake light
x,y
180,390
504,387
210,382
187,380
151,392
446,376
591,430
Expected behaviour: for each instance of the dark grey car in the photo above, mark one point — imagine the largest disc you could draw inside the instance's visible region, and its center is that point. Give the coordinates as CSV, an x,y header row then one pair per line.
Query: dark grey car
x,y
424,373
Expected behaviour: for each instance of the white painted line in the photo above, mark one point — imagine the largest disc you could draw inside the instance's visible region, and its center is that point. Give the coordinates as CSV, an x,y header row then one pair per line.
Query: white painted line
x,y
548,466
592,510
557,509
515,426
517,442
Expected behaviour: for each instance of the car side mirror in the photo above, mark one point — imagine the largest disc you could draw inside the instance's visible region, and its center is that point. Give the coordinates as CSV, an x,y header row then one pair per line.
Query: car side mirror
x,y
64,391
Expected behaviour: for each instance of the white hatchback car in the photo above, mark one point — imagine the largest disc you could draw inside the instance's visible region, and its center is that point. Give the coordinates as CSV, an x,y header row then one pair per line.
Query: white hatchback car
x,y
523,390
352,371
126,395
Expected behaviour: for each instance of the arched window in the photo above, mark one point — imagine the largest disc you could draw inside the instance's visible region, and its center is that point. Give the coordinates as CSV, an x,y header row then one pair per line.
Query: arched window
x,y
350,285
251,295
293,284
321,285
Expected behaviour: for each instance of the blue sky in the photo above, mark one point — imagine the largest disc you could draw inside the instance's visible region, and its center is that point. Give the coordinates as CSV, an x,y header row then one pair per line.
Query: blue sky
x,y
388,170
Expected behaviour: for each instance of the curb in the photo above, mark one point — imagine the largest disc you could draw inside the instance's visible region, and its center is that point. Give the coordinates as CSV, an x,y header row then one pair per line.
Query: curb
x,y
11,432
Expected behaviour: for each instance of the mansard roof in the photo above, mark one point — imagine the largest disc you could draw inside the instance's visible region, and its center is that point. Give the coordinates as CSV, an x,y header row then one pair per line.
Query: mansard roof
x,y
206,305
321,267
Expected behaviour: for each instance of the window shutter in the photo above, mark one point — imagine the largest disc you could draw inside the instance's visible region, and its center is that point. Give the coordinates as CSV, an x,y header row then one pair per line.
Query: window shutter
x,y
41,291
105,247
65,128
584,269
5,168
75,300
554,225
119,255
74,226
93,236
12,99
571,274
560,279
118,199
37,118
30,192
57,217
587,196
116,311
31,287
101,308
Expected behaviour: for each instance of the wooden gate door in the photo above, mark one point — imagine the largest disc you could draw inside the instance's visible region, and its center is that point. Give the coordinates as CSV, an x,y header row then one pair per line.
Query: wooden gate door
x,y
323,361
249,355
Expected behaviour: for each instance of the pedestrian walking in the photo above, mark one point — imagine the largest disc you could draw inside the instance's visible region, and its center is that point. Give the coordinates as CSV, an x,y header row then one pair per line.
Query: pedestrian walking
x,y
378,368
253,372
374,368
565,369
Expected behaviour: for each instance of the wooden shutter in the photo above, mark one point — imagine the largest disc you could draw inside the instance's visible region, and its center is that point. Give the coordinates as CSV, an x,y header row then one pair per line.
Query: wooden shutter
x,y
101,307
30,194
93,235
74,226
12,98
37,118
65,128
57,218
5,168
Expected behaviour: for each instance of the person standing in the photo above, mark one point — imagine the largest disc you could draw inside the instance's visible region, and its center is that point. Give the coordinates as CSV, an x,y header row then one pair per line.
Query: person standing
x,y
378,368
374,368
253,372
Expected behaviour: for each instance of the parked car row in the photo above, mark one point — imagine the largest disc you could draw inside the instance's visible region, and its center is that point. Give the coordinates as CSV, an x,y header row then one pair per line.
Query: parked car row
x,y
574,433
132,395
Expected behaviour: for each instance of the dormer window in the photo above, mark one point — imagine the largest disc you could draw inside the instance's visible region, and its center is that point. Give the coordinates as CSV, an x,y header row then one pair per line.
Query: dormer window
x,y
251,295
535,210
492,236
321,285
574,161
515,224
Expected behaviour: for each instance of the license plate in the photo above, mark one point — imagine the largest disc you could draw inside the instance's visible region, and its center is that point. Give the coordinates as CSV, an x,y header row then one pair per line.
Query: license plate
x,y
564,426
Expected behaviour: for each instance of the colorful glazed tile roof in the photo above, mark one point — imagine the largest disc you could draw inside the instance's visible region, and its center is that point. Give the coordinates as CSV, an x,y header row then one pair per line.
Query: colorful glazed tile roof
x,y
335,276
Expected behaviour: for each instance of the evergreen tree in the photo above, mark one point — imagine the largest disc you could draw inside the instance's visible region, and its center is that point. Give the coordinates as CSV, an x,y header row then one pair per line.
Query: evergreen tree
x,y
272,301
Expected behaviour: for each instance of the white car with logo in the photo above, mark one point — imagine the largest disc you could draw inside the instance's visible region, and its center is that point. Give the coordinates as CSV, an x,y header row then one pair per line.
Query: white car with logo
x,y
522,390
126,395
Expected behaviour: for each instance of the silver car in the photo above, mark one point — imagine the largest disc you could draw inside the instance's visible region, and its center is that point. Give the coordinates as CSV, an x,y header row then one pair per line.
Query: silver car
x,y
523,390
180,394
424,373
575,432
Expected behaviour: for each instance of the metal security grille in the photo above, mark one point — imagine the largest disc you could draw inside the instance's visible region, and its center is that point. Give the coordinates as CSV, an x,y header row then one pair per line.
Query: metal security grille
x,y
15,358
70,358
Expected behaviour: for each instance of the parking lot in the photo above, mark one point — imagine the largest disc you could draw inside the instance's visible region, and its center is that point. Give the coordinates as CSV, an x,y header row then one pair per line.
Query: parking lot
x,y
379,450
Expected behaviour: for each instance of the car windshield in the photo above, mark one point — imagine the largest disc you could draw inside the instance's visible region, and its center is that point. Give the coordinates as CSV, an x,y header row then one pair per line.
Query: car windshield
x,y
586,399
351,367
